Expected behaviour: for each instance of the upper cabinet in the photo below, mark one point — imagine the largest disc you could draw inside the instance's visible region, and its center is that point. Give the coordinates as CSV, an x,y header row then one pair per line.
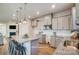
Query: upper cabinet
x,y
77,10
46,20
55,23
61,20
60,23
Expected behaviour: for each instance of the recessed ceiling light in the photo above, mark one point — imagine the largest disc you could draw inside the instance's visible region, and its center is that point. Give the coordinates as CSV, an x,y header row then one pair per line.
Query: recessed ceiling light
x,y
53,6
37,12
29,16
0,24
13,15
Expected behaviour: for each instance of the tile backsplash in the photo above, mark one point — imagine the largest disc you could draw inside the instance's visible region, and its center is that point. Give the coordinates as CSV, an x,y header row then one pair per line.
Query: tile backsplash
x,y
58,32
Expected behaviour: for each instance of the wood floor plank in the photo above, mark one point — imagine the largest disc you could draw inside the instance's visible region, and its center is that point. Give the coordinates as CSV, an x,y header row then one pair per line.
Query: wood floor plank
x,y
45,49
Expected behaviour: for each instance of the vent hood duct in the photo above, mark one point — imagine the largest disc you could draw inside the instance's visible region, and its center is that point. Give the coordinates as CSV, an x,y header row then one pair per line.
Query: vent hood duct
x,y
51,20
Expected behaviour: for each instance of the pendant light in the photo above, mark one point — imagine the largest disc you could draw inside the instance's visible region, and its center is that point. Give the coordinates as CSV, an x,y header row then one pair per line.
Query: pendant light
x,y
20,22
24,20
18,12
20,9
17,17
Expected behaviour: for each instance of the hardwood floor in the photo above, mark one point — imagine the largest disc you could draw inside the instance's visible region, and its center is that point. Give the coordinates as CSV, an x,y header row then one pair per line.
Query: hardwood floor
x,y
4,50
45,49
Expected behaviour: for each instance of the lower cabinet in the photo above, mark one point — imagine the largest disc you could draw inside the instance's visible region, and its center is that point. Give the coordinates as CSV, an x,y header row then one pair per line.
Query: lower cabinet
x,y
28,47
34,47
1,40
42,38
31,47
55,41
52,41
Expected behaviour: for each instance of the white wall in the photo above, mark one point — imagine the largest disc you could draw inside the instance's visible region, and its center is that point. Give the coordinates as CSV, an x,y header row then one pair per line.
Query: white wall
x,y
3,29
23,29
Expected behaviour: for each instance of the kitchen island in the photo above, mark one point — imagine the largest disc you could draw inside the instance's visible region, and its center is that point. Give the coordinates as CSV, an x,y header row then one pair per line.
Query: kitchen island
x,y
31,44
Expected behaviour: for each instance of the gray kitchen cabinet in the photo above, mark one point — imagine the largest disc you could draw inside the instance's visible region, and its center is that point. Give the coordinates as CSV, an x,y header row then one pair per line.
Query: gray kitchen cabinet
x,y
52,41
1,39
65,22
60,23
34,47
42,38
62,20
77,10
58,41
55,23
55,41
31,46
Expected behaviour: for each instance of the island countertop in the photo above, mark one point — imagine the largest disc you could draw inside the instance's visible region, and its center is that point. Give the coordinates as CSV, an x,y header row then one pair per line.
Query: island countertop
x,y
31,44
22,40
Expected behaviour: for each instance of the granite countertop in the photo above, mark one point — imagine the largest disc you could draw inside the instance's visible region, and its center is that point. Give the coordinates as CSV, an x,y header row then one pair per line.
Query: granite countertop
x,y
69,50
21,40
27,39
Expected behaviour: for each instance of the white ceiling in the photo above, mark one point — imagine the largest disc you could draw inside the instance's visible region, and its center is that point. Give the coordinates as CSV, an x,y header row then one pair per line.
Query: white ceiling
x,y
8,9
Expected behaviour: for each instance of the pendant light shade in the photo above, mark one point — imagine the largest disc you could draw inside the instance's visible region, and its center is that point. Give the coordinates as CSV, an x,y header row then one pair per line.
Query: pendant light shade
x,y
24,21
20,18
20,22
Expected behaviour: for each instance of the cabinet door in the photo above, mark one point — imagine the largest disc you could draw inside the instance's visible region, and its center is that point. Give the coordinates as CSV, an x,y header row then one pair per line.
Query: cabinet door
x,y
77,10
1,40
60,25
34,47
54,23
65,24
